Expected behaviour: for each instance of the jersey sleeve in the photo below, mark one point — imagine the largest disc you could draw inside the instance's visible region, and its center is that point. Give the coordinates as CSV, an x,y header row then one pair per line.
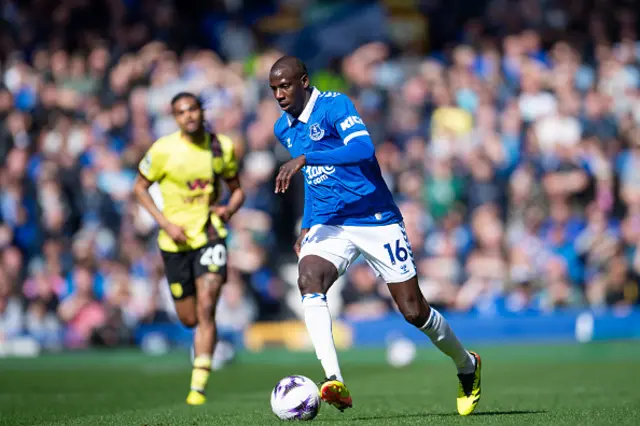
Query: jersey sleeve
x,y
152,166
230,163
346,121
344,117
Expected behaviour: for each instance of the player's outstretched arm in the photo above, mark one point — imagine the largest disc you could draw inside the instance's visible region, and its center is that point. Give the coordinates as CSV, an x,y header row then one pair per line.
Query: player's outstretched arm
x,y
141,190
356,151
236,200
229,174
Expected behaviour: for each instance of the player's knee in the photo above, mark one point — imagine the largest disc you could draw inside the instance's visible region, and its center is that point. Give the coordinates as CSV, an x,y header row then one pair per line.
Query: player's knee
x,y
412,316
309,282
189,320
205,310
411,302
310,279
315,275
414,313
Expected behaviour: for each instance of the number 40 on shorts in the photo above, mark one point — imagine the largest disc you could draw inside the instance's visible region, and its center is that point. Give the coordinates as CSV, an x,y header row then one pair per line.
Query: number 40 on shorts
x,y
399,254
216,255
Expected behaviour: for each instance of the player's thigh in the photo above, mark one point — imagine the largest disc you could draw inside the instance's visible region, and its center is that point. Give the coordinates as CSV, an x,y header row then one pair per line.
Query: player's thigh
x,y
179,272
326,253
387,249
210,269
208,289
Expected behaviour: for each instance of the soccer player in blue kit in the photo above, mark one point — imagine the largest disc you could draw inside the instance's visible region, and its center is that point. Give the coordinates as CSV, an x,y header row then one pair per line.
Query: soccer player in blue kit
x,y
349,211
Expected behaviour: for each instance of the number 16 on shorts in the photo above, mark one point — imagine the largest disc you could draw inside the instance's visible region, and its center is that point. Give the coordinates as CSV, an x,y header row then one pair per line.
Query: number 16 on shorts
x,y
395,259
396,253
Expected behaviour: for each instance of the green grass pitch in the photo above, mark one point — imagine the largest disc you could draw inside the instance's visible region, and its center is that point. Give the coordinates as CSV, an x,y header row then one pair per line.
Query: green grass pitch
x,y
593,384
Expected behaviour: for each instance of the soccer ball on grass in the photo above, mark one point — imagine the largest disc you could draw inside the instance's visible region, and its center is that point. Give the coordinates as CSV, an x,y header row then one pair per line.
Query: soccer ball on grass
x,y
295,398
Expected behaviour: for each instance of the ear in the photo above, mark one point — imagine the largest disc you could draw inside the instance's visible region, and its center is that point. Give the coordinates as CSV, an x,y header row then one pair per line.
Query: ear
x,y
305,81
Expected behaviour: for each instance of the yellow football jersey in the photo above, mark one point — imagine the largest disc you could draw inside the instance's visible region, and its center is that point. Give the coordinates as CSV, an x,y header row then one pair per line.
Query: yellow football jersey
x,y
188,175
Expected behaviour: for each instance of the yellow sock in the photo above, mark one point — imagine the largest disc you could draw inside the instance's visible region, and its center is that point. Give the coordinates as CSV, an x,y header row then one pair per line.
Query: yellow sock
x,y
201,371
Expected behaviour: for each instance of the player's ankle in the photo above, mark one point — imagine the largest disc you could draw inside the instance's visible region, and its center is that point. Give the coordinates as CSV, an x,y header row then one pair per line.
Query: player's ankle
x,y
468,366
334,375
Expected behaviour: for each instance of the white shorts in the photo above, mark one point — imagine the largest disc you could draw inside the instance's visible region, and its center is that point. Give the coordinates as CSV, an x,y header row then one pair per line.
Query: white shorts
x,y
386,248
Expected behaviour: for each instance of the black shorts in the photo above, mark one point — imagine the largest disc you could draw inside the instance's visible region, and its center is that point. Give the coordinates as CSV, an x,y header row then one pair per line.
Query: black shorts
x,y
183,268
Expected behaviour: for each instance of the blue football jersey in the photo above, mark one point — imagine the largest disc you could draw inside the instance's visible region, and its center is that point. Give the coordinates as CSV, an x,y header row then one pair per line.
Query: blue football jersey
x,y
354,194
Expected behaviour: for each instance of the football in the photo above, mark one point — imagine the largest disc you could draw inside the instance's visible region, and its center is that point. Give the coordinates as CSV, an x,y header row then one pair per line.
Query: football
x,y
295,398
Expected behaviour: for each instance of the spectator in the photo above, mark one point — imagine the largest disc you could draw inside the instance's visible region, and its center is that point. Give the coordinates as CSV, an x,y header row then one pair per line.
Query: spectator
x,y
513,154
11,314
236,310
44,325
80,310
365,297
486,267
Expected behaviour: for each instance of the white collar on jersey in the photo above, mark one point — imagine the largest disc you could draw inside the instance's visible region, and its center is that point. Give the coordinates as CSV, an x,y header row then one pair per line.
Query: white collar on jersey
x,y
308,109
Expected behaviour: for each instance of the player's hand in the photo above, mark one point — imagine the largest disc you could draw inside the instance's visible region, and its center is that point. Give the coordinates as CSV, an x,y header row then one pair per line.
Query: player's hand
x,y
222,212
176,233
298,244
288,169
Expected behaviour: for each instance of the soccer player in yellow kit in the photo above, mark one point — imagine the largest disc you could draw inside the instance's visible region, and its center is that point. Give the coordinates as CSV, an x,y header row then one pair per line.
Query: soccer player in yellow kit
x,y
189,166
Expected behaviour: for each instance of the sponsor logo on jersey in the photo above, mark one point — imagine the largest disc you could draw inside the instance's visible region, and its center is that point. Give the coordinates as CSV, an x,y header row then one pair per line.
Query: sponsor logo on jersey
x,y
318,174
316,132
349,122
198,184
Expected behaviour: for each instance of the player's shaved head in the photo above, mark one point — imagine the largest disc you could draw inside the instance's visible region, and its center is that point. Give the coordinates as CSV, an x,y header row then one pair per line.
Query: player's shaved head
x,y
291,65
289,81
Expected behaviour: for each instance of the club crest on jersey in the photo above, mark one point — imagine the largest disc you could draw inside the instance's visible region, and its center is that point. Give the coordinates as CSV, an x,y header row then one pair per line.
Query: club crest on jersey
x,y
316,132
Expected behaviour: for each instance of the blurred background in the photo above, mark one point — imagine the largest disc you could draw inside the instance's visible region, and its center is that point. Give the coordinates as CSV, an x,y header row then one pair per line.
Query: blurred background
x,y
508,130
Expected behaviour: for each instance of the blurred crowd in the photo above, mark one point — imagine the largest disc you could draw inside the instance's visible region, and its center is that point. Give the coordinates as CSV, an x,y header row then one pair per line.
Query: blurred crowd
x,y
513,152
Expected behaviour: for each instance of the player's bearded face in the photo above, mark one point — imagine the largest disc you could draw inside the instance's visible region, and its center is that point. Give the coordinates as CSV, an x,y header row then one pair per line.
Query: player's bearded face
x,y
188,115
